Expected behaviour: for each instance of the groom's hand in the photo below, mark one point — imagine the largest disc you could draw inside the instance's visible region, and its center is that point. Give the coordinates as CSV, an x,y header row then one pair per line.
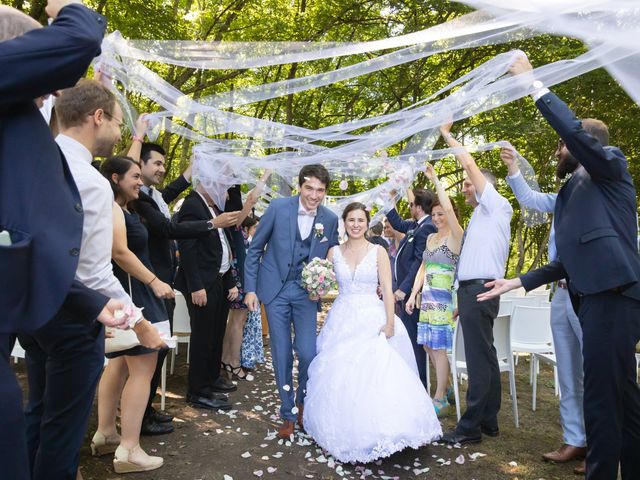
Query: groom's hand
x,y
252,302
399,295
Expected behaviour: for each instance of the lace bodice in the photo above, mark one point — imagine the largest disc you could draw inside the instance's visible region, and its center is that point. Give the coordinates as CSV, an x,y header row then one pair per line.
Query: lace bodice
x,y
363,280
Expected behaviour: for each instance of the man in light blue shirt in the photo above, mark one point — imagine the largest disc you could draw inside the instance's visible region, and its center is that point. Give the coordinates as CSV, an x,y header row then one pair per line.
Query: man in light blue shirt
x,y
565,326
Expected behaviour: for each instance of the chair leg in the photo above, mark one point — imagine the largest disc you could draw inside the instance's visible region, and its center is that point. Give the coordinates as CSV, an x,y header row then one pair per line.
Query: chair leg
x,y
428,376
456,392
555,380
188,349
534,370
173,359
514,397
163,384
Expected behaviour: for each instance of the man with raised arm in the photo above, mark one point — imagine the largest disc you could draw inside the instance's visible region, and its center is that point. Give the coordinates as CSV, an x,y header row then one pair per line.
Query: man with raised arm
x,y
565,326
483,257
596,237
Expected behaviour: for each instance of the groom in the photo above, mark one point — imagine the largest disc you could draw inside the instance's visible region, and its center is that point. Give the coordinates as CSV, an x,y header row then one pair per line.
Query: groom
x,y
292,231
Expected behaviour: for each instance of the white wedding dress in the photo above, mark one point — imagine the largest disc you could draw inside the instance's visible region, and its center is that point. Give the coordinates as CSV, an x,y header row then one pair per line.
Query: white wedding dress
x,y
364,398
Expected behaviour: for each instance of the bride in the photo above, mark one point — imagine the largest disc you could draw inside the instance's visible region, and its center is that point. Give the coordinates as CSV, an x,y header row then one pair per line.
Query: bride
x,y
364,397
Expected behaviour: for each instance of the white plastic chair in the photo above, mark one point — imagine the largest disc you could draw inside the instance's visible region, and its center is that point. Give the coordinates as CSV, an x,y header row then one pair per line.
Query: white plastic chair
x,y
531,332
549,358
518,292
181,327
502,342
506,307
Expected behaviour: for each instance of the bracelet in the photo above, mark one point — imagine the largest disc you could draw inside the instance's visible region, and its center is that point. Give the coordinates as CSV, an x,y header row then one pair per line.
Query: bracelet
x,y
151,281
136,138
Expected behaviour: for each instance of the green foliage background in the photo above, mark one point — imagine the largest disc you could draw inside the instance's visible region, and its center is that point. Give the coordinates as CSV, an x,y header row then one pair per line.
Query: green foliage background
x,y
593,95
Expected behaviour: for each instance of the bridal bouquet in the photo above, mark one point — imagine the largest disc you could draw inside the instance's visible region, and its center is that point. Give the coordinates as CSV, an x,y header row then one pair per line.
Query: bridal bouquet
x,y
318,278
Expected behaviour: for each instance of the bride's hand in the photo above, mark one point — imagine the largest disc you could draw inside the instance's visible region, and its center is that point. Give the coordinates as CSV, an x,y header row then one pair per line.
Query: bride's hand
x,y
387,329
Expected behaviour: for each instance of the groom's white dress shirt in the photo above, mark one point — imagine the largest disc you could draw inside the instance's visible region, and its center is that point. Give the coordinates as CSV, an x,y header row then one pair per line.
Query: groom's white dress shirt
x,y
305,220
94,265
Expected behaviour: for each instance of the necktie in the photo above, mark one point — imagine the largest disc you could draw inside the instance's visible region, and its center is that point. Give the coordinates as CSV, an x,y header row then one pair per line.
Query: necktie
x,y
310,213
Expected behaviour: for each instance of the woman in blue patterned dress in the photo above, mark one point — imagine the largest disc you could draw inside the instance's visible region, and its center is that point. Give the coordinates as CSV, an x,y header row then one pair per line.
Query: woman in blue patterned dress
x,y
435,279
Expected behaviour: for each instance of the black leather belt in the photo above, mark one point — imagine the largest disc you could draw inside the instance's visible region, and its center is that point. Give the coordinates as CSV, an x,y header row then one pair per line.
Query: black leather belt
x,y
475,281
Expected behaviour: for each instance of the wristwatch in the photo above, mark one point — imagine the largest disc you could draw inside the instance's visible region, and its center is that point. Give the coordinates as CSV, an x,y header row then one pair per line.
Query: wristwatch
x,y
210,224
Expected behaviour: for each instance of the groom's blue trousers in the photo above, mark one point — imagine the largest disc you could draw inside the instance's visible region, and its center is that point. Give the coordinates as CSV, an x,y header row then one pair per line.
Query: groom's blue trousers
x,y
291,307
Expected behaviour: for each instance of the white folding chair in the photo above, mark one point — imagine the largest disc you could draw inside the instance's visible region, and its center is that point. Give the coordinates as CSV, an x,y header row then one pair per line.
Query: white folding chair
x,y
181,327
506,307
518,292
502,343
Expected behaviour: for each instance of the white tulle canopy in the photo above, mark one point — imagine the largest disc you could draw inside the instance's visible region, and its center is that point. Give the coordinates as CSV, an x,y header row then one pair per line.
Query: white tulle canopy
x,y
356,149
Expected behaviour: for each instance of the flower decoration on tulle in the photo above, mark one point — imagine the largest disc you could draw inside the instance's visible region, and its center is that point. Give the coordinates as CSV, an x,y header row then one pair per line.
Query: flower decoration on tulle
x,y
318,278
318,230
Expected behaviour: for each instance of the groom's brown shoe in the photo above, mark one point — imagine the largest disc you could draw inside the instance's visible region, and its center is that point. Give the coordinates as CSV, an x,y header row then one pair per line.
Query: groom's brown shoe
x,y
565,453
300,410
286,430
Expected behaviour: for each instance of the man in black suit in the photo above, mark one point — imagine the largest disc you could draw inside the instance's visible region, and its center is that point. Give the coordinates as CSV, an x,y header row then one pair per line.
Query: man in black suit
x,y
408,260
154,212
596,238
41,244
204,277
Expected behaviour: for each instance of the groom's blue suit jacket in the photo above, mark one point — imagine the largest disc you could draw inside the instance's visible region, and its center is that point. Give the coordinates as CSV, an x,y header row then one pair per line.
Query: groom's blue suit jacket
x,y
270,255
40,205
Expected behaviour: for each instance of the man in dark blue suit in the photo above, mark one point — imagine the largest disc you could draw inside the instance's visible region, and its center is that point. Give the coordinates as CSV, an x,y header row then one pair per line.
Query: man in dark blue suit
x,y
596,235
408,261
41,239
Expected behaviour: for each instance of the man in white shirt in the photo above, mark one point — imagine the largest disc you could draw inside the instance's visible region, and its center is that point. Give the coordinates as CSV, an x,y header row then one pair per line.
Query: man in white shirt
x,y
483,258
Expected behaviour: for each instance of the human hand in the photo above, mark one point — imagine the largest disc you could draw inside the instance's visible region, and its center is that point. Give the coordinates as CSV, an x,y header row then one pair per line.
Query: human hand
x,y
107,318
148,335
252,302
388,330
226,219
498,287
399,295
199,298
54,6
508,156
233,294
520,65
161,289
430,173
142,125
410,305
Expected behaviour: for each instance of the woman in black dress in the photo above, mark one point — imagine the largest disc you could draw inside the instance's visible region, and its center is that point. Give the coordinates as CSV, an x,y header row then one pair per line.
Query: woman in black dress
x,y
128,374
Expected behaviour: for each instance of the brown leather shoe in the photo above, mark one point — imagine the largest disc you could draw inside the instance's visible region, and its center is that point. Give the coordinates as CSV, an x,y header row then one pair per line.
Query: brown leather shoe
x,y
286,430
581,469
300,410
565,453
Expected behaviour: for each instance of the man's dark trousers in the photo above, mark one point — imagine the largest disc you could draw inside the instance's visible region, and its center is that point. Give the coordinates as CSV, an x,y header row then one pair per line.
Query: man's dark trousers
x,y
484,391
208,325
13,443
410,322
611,330
64,362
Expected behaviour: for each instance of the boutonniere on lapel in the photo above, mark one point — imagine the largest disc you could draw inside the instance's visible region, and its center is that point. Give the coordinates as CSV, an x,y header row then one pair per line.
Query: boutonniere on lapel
x,y
410,235
318,230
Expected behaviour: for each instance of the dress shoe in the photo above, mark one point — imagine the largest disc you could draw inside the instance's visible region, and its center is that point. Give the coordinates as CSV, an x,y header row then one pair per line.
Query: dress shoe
x,y
158,417
208,403
286,430
300,410
222,385
101,445
565,453
581,469
453,437
490,431
150,428
134,460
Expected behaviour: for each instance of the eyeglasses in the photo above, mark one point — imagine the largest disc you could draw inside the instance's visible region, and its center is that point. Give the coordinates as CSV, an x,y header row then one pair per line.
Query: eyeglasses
x,y
121,125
